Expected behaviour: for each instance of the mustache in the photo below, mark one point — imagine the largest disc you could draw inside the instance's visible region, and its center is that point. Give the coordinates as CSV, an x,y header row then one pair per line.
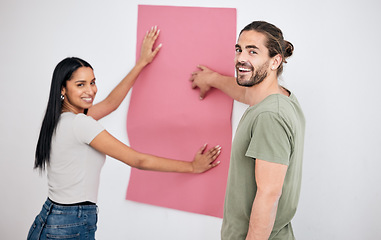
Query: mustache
x,y
245,65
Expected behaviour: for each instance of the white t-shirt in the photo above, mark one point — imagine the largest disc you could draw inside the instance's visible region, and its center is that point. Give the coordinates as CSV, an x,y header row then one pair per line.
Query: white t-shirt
x,y
74,168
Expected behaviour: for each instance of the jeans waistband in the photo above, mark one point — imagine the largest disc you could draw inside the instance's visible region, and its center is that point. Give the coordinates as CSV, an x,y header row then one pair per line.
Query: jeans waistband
x,y
50,205
73,204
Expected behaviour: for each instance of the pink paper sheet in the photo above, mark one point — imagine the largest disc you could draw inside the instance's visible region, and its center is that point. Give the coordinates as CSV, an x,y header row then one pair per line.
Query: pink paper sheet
x,y
166,117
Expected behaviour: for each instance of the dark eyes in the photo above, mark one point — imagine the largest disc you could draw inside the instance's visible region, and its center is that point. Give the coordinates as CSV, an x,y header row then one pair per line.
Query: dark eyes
x,y
238,50
82,84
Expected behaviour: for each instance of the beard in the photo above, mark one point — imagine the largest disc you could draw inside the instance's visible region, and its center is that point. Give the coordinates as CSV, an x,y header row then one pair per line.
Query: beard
x,y
256,78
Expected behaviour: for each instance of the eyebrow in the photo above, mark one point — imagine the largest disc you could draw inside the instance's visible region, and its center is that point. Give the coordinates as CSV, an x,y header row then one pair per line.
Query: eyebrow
x,y
251,47
247,47
80,81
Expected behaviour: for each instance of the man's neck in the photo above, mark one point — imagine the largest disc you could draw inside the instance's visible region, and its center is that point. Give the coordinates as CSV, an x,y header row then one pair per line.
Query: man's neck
x,y
267,87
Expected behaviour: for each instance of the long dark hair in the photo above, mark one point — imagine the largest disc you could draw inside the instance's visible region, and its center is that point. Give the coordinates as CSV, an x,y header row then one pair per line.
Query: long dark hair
x,y
62,73
275,41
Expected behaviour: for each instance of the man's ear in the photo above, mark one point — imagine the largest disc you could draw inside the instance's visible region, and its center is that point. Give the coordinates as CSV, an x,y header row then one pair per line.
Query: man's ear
x,y
276,62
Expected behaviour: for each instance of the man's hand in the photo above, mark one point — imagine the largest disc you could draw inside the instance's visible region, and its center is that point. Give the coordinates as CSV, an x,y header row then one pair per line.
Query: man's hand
x,y
202,79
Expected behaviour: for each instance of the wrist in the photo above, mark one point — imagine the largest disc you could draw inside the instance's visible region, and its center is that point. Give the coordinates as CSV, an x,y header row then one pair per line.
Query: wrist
x,y
191,167
141,63
213,80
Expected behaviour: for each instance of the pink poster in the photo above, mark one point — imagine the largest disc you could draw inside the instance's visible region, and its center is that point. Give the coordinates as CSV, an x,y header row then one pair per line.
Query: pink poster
x,y
166,116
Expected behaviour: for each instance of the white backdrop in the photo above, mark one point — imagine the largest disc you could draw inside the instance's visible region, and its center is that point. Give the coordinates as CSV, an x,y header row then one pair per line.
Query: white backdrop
x,y
333,72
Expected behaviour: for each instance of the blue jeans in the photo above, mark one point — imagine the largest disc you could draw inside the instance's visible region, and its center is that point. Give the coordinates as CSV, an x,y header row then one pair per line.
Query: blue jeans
x,y
64,222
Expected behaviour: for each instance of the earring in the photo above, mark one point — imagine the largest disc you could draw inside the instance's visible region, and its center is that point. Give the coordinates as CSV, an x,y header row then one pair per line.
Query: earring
x,y
62,97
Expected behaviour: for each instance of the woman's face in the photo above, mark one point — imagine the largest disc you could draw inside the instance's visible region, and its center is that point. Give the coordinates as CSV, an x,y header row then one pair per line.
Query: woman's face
x,y
80,91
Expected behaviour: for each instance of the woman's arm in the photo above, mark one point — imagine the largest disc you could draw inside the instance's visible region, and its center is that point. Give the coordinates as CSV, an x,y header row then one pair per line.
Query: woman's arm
x,y
107,144
115,98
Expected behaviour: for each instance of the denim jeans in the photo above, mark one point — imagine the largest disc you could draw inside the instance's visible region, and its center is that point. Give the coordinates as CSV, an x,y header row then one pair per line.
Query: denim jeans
x,y
64,222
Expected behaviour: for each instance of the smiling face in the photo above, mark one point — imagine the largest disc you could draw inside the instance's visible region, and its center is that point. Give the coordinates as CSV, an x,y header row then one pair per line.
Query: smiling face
x,y
80,91
252,58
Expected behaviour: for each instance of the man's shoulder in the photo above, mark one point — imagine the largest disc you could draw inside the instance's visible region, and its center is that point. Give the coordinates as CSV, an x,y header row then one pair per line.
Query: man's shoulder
x,y
268,105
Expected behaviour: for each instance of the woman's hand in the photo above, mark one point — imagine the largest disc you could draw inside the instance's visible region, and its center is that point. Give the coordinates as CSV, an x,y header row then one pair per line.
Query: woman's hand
x,y
146,53
205,161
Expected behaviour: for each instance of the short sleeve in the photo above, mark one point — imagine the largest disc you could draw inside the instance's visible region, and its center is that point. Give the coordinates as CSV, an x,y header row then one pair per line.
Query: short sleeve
x,y
86,128
270,140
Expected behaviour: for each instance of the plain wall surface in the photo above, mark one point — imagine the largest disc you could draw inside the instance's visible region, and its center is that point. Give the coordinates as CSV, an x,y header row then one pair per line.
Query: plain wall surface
x,y
334,72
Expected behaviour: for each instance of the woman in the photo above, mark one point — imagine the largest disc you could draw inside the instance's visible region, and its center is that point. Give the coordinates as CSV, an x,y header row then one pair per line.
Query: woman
x,y
72,145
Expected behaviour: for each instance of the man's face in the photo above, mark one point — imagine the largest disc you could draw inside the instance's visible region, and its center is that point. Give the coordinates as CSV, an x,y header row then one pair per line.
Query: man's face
x,y
251,58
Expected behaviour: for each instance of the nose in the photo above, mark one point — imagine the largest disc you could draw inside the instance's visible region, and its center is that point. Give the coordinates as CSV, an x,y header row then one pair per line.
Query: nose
x,y
241,57
242,62
91,89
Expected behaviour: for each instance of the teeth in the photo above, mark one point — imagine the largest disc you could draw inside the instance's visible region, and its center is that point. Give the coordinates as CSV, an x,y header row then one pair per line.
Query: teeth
x,y
87,99
244,69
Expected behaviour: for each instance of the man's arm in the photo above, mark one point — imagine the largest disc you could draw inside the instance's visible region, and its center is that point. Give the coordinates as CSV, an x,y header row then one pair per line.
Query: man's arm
x,y
269,177
205,79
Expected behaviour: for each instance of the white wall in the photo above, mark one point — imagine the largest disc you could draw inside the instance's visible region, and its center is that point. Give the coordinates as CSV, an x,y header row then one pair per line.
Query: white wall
x,y
334,73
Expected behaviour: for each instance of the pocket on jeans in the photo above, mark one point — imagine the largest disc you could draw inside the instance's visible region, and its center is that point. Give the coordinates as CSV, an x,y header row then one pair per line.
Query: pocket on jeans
x,y
64,227
71,231
67,237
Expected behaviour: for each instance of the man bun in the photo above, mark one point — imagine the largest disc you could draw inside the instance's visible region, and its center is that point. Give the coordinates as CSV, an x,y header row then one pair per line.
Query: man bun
x,y
289,49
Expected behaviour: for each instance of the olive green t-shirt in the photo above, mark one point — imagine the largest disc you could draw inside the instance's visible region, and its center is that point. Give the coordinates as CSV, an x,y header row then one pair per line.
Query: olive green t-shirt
x,y
272,130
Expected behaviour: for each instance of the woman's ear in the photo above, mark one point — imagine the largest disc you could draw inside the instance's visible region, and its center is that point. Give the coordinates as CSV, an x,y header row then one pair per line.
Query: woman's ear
x,y
63,91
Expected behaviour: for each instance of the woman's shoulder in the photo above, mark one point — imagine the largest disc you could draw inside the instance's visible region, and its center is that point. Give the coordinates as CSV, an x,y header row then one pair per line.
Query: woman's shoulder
x,y
84,116
79,119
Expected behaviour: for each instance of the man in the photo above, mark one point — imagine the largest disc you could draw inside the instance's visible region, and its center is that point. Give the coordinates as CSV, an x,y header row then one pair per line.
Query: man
x,y
266,157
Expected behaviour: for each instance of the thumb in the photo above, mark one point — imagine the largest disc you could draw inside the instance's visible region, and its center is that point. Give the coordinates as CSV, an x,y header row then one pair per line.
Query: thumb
x,y
202,149
157,49
201,67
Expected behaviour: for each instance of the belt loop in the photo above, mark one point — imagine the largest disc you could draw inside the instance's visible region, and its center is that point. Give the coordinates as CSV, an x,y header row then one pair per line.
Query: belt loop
x,y
50,206
45,216
79,211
